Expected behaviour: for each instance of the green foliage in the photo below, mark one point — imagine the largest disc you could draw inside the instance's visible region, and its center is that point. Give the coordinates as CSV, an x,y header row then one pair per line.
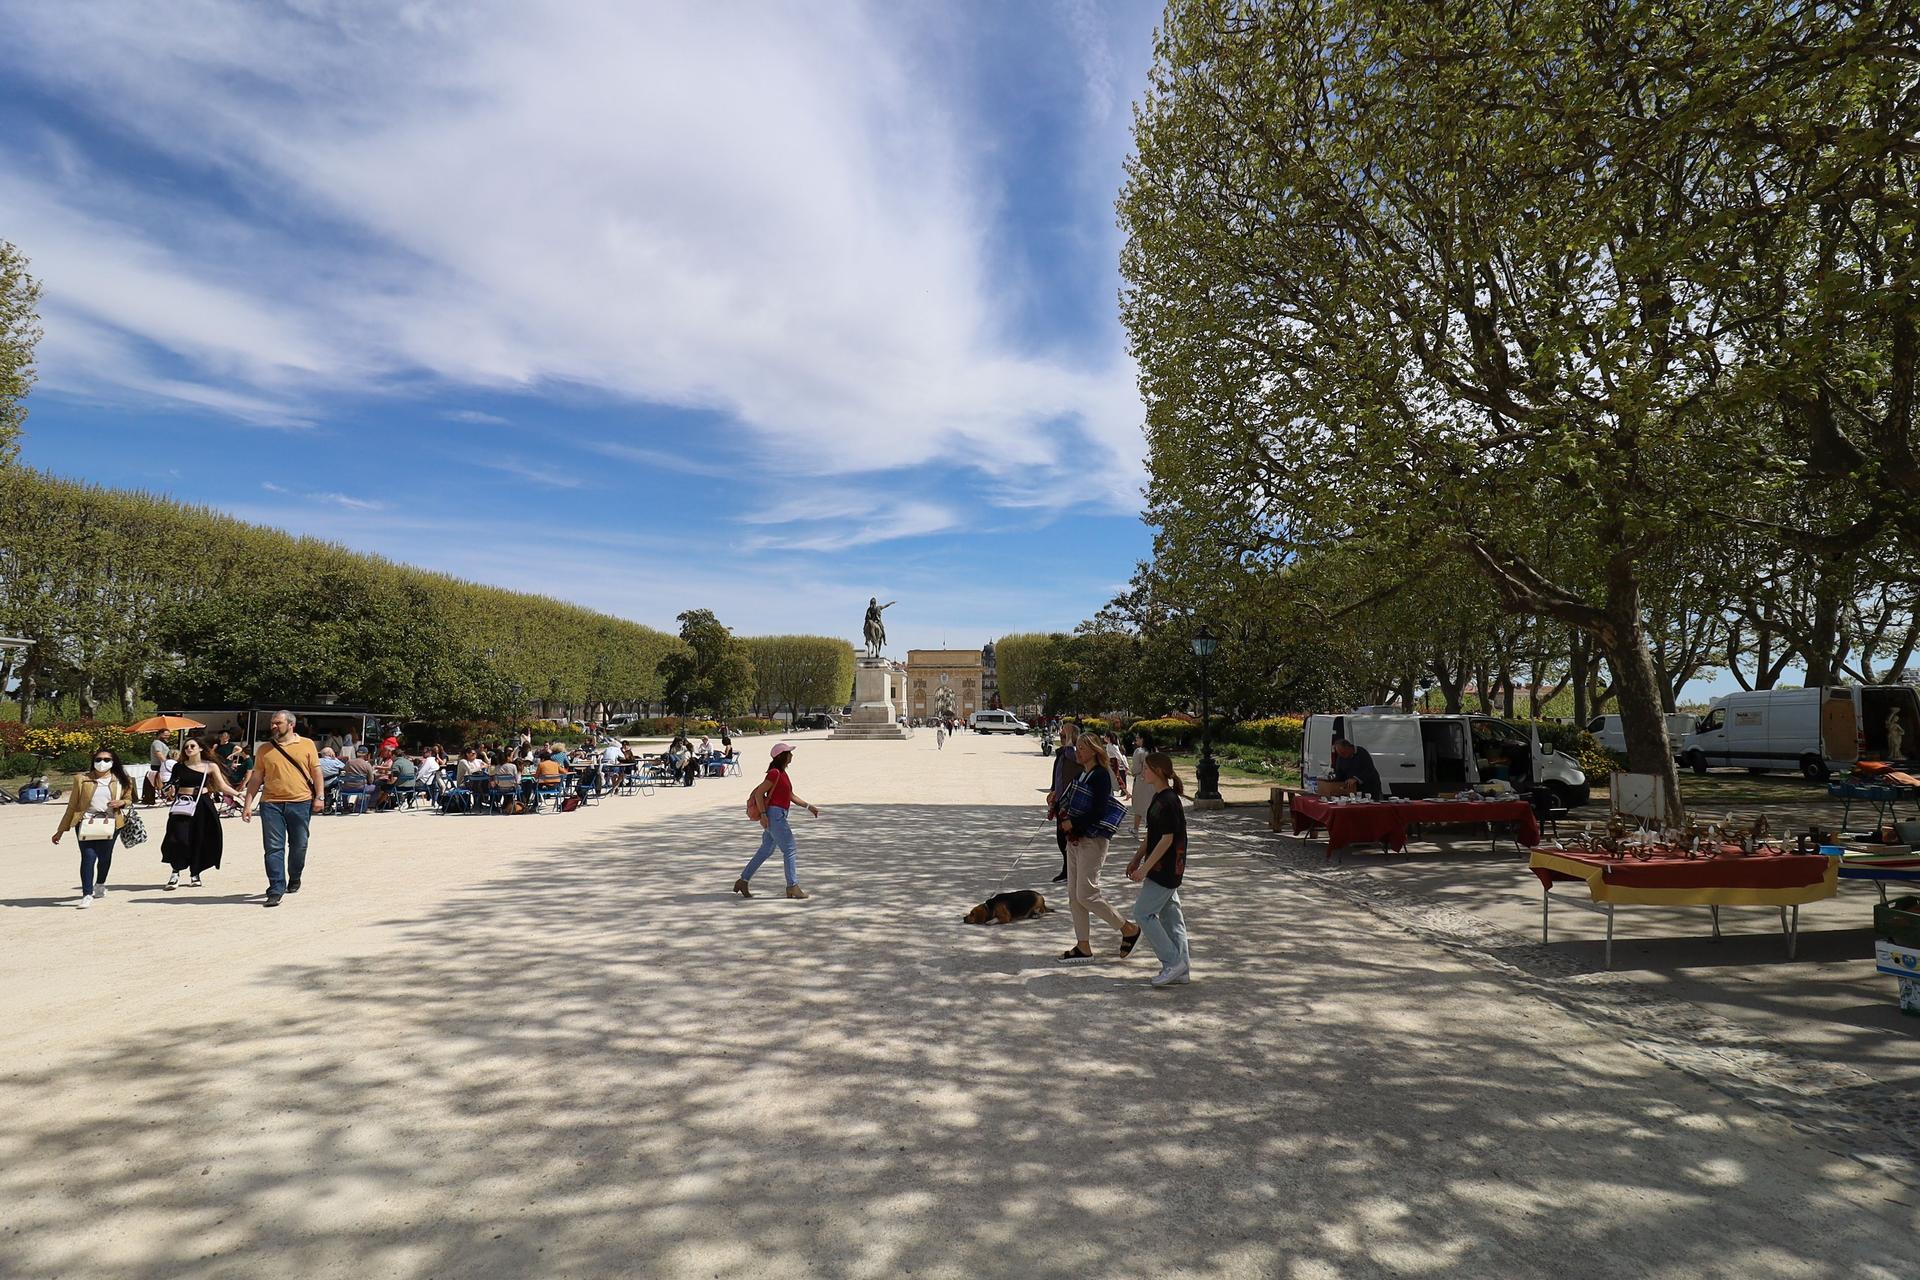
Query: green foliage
x,y
798,672
1022,661
710,670
19,335
1278,733
119,591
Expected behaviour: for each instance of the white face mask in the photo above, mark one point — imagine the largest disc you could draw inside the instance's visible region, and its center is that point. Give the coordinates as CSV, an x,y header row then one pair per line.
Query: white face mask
x,y
101,766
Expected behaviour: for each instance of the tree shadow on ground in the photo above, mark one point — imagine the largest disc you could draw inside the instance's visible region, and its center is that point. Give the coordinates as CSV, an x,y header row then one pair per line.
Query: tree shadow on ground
x,y
607,1065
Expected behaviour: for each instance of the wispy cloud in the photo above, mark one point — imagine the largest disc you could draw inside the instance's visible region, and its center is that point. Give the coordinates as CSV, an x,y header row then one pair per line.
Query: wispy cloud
x,y
330,498
663,460
780,221
531,472
845,521
474,416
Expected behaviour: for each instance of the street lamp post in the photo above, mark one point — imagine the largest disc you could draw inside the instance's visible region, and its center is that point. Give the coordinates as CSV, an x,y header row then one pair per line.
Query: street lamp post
x,y
1208,772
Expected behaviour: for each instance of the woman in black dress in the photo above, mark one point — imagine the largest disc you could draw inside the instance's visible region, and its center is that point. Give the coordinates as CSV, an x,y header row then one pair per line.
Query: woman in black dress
x,y
193,824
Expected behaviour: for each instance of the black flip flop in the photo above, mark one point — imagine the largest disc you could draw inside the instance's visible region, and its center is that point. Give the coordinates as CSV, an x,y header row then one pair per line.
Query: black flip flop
x,y
1127,943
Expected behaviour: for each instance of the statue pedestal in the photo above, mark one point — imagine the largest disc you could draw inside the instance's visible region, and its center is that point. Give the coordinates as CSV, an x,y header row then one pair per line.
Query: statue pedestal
x,y
873,710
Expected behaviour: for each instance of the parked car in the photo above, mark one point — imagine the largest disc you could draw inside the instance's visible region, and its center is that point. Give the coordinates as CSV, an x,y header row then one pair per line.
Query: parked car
x,y
1818,731
1614,738
820,720
996,722
1424,756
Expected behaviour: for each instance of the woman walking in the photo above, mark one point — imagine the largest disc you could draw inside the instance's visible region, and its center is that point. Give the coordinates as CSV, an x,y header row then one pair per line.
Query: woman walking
x,y
192,842
775,797
1159,865
1143,786
1087,851
96,810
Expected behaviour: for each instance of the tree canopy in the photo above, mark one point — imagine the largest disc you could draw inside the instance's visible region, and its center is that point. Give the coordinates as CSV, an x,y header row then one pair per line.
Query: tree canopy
x,y
19,335
1481,284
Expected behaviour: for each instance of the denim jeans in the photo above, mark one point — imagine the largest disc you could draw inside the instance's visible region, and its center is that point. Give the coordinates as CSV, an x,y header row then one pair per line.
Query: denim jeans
x,y
283,829
1157,912
778,832
96,857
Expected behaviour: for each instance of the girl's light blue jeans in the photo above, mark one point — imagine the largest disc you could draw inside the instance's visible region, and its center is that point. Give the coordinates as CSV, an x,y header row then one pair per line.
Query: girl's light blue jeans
x,y
778,832
1157,912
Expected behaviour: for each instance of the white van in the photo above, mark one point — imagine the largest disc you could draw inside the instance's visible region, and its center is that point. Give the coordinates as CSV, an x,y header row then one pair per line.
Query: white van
x,y
1422,756
996,722
1614,738
1816,731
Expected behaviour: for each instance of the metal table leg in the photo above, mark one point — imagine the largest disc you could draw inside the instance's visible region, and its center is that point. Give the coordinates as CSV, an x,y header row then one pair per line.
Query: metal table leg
x,y
1716,921
1793,937
1609,963
1546,900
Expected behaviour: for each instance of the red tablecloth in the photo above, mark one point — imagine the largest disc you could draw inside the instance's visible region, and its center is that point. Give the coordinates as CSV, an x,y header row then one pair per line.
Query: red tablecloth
x,y
1756,880
1386,822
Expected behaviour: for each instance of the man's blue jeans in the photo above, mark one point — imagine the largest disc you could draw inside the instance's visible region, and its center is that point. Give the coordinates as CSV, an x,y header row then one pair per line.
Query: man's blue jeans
x,y
1157,912
777,833
283,829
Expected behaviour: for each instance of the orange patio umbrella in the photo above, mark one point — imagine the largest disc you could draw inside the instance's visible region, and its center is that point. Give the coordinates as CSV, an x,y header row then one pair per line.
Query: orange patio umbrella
x,y
164,724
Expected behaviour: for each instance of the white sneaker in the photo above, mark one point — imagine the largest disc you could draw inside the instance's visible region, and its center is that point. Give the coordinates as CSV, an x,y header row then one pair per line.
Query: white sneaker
x,y
86,900
1172,975
99,891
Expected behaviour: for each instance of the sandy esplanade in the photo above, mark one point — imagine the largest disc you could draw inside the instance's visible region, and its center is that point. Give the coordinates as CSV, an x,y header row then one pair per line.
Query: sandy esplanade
x,y
556,1046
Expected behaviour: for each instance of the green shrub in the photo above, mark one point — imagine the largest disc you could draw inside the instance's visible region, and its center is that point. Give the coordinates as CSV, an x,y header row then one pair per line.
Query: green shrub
x,y
1279,733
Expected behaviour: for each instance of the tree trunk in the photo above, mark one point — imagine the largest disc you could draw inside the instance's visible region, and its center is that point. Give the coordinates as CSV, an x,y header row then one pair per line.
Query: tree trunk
x,y
1623,637
1577,661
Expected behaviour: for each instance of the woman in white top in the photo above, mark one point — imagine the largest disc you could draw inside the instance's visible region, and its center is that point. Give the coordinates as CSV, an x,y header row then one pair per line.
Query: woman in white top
x,y
1144,786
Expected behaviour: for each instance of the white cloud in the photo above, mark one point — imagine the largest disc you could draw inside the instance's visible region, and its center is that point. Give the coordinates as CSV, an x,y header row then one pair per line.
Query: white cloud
x,y
532,472
763,211
474,416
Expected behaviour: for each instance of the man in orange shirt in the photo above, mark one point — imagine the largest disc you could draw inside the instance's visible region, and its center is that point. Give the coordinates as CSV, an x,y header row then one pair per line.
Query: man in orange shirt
x,y
287,770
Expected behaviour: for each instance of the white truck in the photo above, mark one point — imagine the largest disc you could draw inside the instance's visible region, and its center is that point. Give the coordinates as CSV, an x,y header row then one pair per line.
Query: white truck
x,y
1818,731
1614,738
996,722
1436,755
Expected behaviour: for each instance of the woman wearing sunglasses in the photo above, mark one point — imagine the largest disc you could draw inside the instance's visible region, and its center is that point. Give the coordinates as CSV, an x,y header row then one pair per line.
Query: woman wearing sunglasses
x,y
96,810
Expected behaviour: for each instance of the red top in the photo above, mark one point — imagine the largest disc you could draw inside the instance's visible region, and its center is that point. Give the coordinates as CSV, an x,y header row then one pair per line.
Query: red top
x,y
781,797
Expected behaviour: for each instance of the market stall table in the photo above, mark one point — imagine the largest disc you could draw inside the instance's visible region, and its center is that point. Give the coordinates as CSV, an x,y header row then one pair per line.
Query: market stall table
x,y
1386,821
1902,866
1783,880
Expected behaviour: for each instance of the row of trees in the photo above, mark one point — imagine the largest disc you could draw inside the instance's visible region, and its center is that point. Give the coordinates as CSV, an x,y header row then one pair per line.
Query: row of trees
x,y
130,598
1608,318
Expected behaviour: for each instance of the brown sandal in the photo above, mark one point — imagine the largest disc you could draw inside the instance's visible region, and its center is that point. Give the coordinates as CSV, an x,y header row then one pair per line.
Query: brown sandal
x,y
740,887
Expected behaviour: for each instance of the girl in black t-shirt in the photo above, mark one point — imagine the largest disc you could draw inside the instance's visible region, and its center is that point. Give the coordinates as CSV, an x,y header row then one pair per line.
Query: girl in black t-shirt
x,y
1160,865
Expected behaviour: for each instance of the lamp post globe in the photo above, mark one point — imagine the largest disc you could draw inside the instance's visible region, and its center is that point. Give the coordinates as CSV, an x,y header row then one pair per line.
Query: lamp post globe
x,y
1207,773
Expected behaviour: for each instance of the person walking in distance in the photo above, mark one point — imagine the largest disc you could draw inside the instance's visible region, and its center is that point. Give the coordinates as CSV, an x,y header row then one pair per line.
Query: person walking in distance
x,y
1065,768
1144,789
775,797
1087,852
97,810
1159,866
286,778
940,736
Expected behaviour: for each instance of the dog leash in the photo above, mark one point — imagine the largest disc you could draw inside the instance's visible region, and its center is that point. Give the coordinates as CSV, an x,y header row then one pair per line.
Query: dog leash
x,y
1018,859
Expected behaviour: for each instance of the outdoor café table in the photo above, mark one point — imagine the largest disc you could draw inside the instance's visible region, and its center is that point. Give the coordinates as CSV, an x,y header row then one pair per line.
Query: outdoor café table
x,y
1883,797
1881,868
1386,821
1783,880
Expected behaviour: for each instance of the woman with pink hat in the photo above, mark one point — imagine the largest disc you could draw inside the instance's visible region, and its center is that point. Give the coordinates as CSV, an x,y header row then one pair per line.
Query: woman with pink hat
x,y
769,803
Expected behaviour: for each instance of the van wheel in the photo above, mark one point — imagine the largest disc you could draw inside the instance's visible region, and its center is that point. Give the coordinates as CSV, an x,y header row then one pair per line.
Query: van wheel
x,y
1697,761
1814,768
1563,797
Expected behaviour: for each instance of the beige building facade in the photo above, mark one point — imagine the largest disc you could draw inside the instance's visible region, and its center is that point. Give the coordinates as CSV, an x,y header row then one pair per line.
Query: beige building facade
x,y
930,670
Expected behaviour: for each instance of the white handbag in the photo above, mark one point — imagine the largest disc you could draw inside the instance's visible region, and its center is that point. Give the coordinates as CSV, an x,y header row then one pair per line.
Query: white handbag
x,y
97,826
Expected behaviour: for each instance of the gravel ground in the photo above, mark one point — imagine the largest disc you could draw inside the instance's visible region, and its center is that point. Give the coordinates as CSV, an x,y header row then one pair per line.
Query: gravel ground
x,y
557,1046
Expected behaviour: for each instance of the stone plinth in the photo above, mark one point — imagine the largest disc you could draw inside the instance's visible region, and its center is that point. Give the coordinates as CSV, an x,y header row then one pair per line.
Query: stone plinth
x,y
874,714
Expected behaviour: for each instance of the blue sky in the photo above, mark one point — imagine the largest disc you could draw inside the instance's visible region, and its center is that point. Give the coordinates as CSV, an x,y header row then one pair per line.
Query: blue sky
x,y
759,308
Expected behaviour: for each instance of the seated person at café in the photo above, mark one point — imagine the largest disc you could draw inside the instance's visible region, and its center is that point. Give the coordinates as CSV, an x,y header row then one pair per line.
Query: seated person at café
x,y
330,767
403,774
547,772
1352,763
505,777
428,779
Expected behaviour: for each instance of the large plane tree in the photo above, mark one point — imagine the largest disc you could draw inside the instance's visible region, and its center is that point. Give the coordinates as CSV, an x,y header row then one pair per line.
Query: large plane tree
x,y
1478,277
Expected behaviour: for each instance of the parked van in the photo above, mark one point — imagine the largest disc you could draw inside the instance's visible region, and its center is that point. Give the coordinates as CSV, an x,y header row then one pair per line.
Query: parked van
x,y
1423,756
1614,738
996,722
1816,731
